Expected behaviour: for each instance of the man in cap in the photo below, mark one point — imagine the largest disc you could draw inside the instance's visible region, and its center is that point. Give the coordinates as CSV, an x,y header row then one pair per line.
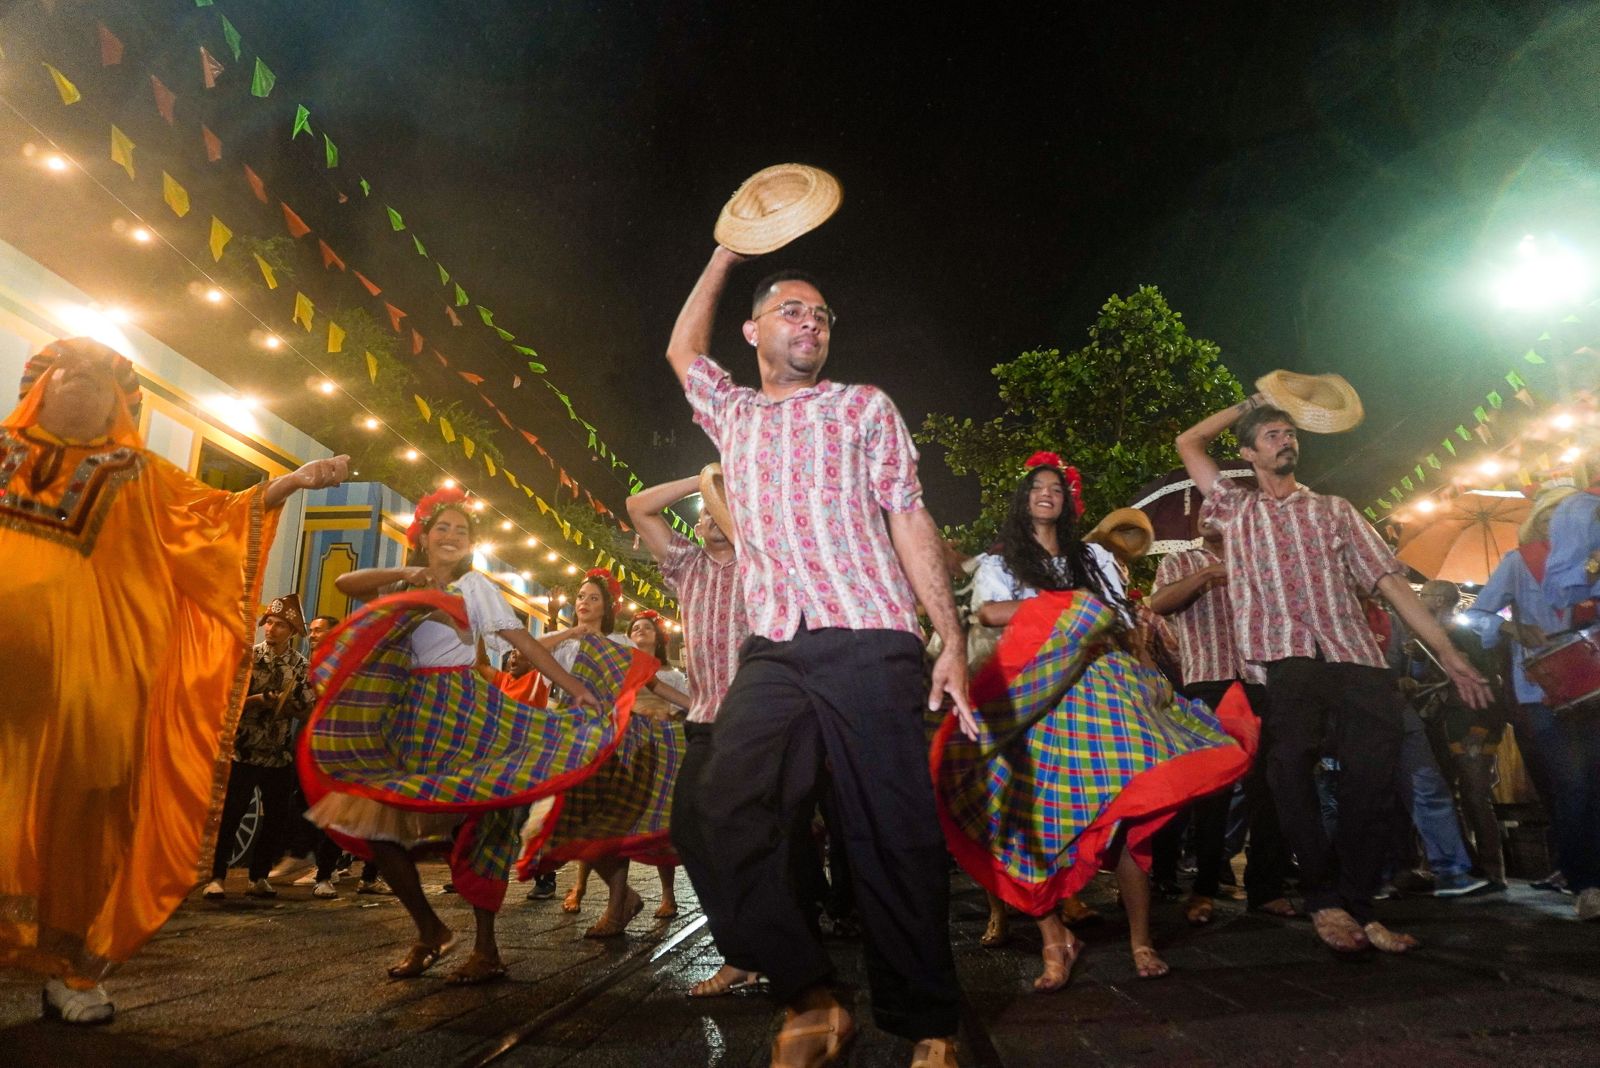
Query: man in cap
x,y
1297,563
121,593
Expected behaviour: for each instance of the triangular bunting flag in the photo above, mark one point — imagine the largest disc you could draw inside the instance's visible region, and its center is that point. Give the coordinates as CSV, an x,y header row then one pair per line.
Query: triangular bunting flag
x,y
468,446
110,47
210,68
266,271
122,150
461,296
1495,400
422,406
446,431
417,241
372,368
230,35
262,81
372,286
440,357
176,196
213,144
532,440
302,122
297,226
255,184
476,380
69,92
335,337
416,343
394,219
366,188
444,275
501,414
303,311
330,152
220,236
395,315
488,462
165,98
516,381
329,257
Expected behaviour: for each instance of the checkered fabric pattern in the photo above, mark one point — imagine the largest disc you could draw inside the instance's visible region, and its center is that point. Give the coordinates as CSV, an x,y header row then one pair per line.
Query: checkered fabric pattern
x,y
1028,799
444,738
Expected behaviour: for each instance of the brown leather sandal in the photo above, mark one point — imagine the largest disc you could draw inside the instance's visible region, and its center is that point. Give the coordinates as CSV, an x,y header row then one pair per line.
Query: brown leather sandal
x,y
934,1053
1148,964
723,983
478,969
839,1031
1059,960
998,930
609,927
419,958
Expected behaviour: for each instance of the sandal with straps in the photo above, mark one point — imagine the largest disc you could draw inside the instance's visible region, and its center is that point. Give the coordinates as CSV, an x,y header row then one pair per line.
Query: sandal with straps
x,y
477,970
607,927
419,958
996,933
1148,964
1059,960
722,983
840,1030
934,1053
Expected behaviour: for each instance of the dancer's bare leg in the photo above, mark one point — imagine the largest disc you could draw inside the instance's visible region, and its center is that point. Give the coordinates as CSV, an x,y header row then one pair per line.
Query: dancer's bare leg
x,y
580,882
669,896
1134,885
622,903
400,872
998,928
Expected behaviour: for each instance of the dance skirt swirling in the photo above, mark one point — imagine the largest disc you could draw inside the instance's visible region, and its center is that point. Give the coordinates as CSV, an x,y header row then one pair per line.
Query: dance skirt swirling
x,y
620,811
1076,741
391,746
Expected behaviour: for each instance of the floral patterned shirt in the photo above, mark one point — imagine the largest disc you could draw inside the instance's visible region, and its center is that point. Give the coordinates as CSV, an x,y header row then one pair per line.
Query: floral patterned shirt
x,y
266,733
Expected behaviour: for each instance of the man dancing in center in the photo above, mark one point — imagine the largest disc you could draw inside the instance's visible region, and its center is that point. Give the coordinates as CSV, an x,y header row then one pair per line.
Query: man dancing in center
x,y
832,671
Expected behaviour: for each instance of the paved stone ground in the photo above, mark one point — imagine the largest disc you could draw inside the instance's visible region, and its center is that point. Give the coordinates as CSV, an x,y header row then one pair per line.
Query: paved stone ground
x,y
1503,980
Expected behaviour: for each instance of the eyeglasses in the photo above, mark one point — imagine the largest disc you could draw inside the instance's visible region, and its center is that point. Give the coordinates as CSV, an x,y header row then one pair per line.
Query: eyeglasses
x,y
797,311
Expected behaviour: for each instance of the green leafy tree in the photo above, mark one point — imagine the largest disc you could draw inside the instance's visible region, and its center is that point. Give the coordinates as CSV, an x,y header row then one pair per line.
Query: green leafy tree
x,y
1111,408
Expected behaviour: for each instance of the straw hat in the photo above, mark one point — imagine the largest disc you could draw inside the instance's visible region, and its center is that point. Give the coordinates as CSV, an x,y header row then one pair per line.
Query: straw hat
x,y
1126,532
714,498
776,205
1322,404
1542,504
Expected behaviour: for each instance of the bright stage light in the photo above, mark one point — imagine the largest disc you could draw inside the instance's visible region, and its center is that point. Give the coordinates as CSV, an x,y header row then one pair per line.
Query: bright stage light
x,y
56,162
326,387
235,412
1542,275
1426,505
215,295
273,342
82,320
449,483
1489,468
1563,421
119,316
526,575
1571,455
141,235
479,504
572,569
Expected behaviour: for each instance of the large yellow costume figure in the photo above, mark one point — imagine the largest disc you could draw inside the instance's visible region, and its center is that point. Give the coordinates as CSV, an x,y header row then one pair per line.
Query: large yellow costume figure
x,y
128,595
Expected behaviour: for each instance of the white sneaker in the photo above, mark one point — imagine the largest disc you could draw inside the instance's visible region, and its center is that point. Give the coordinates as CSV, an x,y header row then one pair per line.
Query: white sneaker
x,y
1589,903
292,865
308,879
324,889
260,888
214,891
61,1002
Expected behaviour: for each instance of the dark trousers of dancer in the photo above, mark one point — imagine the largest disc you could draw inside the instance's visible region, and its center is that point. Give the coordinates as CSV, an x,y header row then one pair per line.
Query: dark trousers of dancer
x,y
1268,855
852,698
277,787
693,841
1366,710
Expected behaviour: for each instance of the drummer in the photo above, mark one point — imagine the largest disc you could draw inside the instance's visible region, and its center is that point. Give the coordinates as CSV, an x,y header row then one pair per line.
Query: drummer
x,y
1562,750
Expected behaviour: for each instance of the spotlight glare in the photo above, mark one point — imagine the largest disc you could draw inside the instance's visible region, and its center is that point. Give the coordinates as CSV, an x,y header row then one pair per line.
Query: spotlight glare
x,y
1571,455
505,524
215,295
532,541
1563,421
272,341
412,454
370,423
55,162
141,235
326,387
551,556
526,575
1542,276
449,483
1425,505
119,315
572,569
479,504
1489,468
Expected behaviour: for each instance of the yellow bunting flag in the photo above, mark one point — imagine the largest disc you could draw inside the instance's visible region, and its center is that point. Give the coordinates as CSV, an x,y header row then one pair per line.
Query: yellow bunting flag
x,y
488,461
335,337
220,236
422,406
69,92
510,477
468,446
266,271
303,311
176,196
446,431
372,368
122,150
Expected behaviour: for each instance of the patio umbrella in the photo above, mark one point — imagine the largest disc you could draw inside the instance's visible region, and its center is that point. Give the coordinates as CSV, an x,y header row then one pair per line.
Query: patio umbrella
x,y
1465,538
1172,503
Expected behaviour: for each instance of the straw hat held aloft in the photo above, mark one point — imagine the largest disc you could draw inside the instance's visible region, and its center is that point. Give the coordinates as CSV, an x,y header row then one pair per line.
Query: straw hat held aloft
x,y
776,205
1322,404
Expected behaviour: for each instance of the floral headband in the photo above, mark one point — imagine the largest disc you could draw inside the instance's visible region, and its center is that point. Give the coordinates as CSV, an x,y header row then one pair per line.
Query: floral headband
x,y
606,578
428,510
646,613
1069,474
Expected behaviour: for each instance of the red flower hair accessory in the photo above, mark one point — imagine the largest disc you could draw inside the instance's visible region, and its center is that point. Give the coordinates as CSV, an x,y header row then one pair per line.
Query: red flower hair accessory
x,y
607,579
1068,473
647,613
428,510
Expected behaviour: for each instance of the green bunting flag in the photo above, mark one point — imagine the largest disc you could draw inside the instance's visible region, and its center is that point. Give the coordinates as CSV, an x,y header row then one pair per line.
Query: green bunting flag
x,y
394,219
417,241
302,122
486,315
230,35
1450,446
1532,357
366,188
331,151
263,80
1495,400
461,296
444,275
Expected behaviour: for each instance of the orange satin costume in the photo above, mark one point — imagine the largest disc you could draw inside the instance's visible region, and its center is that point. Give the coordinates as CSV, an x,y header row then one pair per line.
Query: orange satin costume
x,y
128,593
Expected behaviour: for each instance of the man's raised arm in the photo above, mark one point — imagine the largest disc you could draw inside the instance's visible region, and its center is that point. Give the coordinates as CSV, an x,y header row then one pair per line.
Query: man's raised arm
x,y
646,506
691,334
1193,443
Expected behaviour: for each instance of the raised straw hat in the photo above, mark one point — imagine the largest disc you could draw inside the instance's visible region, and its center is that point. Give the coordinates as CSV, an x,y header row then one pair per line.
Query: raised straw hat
x,y
1322,404
1127,532
714,499
776,205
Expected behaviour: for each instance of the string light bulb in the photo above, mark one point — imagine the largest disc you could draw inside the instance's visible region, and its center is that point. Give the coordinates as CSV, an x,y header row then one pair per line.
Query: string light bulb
x,y
370,423
55,162
551,556
273,342
141,235
505,524
412,455
1489,468
532,541
449,483
215,295
572,569
326,387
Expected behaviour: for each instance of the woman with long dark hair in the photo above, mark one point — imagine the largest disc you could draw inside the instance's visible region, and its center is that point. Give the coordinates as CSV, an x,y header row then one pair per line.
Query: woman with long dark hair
x,y
1083,751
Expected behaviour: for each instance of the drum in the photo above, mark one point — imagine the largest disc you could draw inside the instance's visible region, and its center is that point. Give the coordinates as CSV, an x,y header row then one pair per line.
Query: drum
x,y
1568,670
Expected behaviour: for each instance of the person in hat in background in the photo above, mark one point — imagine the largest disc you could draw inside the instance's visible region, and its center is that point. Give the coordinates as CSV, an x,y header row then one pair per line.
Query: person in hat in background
x,y
1083,752
1562,750
279,699
127,656
1296,562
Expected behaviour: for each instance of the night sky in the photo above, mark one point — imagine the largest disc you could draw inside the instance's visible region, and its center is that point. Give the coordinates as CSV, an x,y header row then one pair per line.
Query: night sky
x,y
1313,190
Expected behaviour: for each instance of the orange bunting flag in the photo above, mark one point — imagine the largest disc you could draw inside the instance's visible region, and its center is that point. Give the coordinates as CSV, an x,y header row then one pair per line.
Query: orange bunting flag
x,y
532,440
468,446
329,257
220,236
446,431
502,416
297,226
476,380
210,69
626,529
110,47
213,144
303,311
255,184
455,320
335,337
395,315
165,98
122,150
176,196
372,286
372,368
69,92
440,357
266,271
416,343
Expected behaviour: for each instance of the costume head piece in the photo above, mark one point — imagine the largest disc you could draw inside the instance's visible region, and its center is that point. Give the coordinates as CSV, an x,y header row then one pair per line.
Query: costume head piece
x,y
1069,474
428,510
606,579
286,608
648,613
124,420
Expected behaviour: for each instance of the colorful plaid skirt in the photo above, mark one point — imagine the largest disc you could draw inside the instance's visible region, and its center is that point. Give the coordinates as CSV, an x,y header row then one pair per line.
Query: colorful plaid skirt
x,y
621,810
1077,741
442,740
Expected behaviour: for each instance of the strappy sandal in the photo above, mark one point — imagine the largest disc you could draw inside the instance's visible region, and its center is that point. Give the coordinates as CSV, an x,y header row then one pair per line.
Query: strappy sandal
x,y
1387,941
840,1030
1058,971
666,910
573,901
720,984
934,1053
1338,930
1148,964
419,958
1198,910
996,933
607,927
477,970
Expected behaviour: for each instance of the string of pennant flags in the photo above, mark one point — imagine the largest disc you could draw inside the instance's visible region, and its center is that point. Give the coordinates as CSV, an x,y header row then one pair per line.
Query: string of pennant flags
x,y
303,313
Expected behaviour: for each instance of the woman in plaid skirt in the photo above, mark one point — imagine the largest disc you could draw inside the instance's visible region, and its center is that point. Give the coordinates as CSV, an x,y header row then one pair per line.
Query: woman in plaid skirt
x,y
1083,751
410,750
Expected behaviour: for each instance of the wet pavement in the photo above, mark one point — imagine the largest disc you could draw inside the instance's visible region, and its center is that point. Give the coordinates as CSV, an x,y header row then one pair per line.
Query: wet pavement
x,y
1503,979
